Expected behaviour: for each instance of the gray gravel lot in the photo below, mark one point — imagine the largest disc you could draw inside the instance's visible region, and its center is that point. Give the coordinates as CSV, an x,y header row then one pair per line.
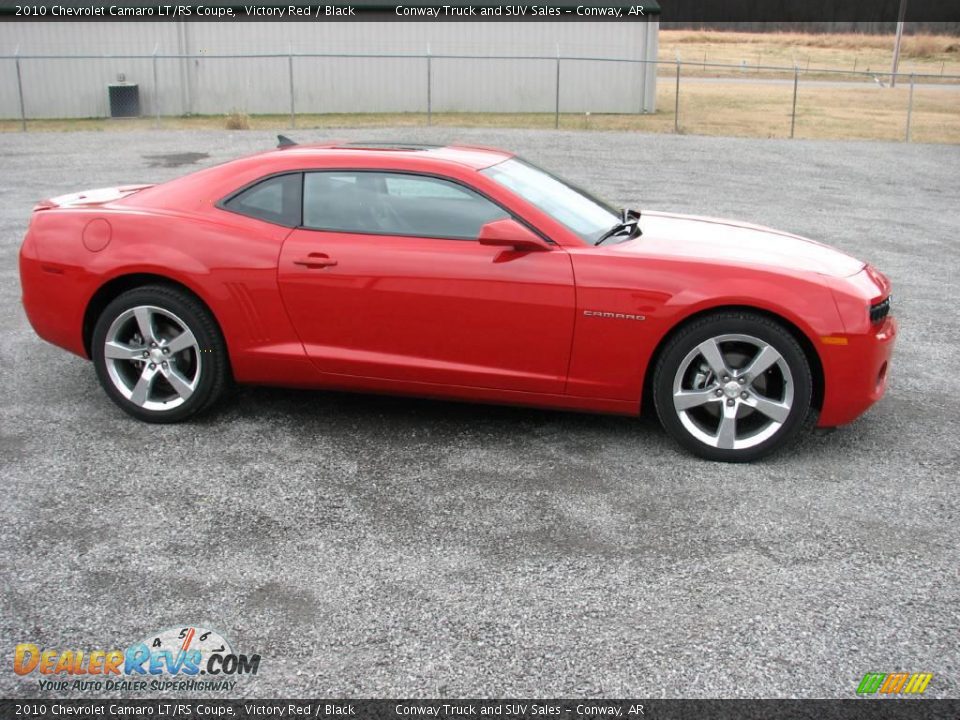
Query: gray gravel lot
x,y
377,547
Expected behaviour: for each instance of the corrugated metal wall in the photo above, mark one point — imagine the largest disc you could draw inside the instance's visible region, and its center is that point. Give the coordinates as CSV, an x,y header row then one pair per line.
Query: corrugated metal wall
x,y
207,85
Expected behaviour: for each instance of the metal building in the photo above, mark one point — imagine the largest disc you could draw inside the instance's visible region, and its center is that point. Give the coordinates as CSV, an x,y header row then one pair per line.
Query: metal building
x,y
282,68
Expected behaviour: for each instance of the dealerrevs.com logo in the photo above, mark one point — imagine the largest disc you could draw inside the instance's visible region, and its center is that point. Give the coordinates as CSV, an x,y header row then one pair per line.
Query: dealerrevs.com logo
x,y
188,658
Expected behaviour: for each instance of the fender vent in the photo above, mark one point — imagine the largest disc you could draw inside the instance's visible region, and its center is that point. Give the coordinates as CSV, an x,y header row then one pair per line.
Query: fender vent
x,y
880,310
240,294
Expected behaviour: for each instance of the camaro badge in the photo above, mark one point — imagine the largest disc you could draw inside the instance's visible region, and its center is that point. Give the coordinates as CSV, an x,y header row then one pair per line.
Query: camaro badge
x,y
615,316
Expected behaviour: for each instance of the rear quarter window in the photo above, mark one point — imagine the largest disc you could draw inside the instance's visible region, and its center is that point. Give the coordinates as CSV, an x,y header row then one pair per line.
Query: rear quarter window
x,y
274,200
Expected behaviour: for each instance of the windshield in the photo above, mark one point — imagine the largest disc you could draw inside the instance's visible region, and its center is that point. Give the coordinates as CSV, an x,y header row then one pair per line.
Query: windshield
x,y
582,213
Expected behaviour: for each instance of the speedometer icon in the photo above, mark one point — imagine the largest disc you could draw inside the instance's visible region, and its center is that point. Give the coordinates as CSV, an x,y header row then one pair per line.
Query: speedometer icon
x,y
180,641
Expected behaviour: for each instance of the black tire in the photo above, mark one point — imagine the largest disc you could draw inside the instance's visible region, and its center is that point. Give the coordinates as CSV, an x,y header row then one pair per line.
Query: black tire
x,y
205,364
682,361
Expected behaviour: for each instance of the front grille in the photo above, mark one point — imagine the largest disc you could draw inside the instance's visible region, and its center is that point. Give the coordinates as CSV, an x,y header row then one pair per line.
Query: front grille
x,y
880,310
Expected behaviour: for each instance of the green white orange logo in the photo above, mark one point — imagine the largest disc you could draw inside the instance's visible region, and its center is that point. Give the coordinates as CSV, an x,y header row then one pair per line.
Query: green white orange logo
x,y
894,683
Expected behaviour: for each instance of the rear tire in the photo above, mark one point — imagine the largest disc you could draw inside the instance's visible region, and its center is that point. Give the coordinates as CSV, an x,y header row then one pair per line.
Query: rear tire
x,y
733,386
159,354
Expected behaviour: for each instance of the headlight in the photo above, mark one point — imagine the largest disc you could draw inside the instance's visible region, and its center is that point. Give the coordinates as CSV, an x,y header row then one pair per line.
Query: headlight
x,y
863,300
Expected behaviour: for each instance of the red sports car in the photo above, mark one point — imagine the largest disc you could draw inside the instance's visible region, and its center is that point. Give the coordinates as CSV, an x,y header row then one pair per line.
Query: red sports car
x,y
454,272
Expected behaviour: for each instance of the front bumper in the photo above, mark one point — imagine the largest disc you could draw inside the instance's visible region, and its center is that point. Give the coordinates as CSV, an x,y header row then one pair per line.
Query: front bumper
x,y
856,373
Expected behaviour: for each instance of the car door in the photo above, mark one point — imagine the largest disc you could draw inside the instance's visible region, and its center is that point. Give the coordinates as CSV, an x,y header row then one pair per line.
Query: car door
x,y
385,279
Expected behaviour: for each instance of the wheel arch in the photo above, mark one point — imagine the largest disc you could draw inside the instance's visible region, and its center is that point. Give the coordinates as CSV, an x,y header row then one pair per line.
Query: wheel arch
x,y
120,284
802,338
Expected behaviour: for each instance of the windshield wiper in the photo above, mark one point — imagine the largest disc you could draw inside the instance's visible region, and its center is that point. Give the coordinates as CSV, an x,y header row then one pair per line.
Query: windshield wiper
x,y
629,224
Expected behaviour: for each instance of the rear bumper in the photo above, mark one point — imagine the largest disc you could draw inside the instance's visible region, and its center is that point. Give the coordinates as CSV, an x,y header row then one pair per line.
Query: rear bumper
x,y
52,299
855,374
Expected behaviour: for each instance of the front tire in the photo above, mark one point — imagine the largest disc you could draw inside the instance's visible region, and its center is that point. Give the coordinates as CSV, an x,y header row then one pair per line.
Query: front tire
x,y
159,354
733,386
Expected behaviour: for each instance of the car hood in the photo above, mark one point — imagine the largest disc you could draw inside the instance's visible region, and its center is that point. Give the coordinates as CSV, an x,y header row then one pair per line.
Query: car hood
x,y
727,241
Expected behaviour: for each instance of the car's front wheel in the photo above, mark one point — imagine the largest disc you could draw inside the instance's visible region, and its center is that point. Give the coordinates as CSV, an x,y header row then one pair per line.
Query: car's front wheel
x,y
733,386
159,354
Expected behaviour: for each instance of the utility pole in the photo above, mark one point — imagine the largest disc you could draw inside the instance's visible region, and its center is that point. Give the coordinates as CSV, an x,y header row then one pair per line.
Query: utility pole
x,y
896,45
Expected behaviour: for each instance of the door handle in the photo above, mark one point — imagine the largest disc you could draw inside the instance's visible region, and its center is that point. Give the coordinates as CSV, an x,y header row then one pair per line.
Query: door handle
x,y
314,261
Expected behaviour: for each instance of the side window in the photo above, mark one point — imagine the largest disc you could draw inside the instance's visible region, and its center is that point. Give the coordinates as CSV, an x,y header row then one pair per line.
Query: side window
x,y
275,200
423,187
394,204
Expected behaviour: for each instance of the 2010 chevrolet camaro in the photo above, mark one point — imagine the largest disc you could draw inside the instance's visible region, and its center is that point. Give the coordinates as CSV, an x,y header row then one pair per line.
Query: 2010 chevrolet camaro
x,y
456,272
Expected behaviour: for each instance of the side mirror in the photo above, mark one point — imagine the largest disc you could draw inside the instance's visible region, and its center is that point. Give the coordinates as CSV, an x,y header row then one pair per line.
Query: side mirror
x,y
509,233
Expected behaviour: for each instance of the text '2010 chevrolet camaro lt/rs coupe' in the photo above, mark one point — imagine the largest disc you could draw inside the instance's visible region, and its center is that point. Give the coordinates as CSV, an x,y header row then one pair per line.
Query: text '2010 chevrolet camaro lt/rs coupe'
x,y
453,272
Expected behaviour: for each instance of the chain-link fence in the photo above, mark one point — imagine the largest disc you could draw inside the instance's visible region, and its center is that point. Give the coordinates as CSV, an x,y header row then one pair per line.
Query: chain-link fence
x,y
776,101
275,90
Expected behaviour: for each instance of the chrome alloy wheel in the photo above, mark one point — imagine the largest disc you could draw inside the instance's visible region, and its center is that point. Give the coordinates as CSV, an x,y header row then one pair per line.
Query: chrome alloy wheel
x,y
152,358
733,391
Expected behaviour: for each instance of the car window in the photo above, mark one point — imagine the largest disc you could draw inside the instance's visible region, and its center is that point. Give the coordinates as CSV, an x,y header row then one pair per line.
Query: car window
x,y
342,178
275,200
394,204
587,216
422,187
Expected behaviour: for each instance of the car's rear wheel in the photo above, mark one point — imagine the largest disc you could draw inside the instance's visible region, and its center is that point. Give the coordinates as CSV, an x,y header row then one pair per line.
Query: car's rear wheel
x,y
159,354
733,386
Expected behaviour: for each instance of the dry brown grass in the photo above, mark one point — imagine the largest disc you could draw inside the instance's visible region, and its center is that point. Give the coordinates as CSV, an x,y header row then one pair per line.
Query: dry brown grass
x,y
863,112
842,51
916,44
237,120
925,46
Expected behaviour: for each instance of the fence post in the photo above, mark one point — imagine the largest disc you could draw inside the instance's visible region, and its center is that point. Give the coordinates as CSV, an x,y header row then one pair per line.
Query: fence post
x,y
793,114
556,97
909,108
676,101
23,112
293,107
429,87
156,89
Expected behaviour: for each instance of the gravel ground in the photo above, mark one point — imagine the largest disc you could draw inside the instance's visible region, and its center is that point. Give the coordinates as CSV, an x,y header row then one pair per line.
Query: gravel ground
x,y
377,547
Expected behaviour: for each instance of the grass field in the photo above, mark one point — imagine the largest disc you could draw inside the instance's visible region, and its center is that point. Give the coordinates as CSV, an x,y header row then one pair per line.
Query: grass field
x,y
862,112
928,54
